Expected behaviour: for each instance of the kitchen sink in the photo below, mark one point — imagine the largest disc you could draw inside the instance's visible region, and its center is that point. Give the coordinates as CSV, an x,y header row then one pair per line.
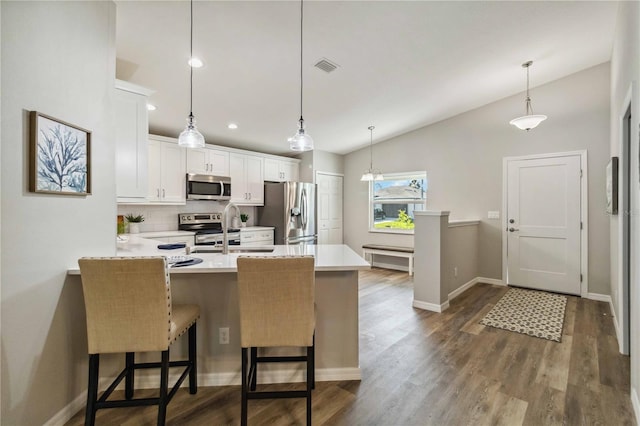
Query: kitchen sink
x,y
234,249
251,250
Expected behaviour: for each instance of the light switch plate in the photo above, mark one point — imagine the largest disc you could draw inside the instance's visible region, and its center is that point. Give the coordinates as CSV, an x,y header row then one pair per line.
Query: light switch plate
x,y
493,214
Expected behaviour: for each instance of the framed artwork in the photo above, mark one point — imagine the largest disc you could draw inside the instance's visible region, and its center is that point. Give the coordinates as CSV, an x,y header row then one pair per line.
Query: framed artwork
x,y
612,186
60,157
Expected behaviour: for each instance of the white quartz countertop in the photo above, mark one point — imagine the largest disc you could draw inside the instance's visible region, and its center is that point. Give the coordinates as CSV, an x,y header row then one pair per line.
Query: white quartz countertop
x,y
159,234
256,228
328,257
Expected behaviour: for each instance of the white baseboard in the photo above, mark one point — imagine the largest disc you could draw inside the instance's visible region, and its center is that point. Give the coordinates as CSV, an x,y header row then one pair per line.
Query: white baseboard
x,y
70,410
152,381
433,307
599,297
390,266
494,281
464,287
635,403
614,317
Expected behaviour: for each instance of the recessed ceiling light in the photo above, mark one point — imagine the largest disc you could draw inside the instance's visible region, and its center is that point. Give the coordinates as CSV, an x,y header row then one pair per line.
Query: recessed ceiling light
x,y
151,107
232,126
195,62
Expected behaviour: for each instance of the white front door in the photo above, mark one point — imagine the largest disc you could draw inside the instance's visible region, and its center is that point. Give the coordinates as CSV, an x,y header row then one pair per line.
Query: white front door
x,y
544,223
329,208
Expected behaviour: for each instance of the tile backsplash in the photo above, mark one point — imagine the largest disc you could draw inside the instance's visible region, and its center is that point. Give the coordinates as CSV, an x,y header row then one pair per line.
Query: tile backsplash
x,y
165,217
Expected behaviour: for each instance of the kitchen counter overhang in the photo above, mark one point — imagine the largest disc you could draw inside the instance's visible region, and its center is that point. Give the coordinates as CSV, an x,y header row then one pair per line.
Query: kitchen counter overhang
x,y
328,257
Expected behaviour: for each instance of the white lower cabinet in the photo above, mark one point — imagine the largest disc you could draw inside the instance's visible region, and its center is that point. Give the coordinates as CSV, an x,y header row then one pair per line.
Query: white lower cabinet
x,y
258,237
167,171
247,182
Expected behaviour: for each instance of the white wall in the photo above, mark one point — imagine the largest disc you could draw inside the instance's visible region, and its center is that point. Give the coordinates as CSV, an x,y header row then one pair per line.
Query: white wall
x,y
463,159
57,58
319,161
625,72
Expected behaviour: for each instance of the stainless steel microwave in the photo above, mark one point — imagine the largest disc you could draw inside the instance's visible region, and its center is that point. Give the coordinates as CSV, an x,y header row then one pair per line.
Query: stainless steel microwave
x,y
208,187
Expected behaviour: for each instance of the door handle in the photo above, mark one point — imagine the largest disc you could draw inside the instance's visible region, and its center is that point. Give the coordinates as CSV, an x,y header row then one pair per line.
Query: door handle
x,y
513,229
162,192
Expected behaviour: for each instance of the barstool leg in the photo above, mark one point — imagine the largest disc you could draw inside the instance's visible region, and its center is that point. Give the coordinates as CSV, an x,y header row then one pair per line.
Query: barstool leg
x,y
193,356
129,378
313,363
253,371
164,383
310,379
92,390
243,410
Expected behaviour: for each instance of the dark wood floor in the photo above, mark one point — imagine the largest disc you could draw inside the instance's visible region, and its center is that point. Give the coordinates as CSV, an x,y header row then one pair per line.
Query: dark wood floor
x,y
424,368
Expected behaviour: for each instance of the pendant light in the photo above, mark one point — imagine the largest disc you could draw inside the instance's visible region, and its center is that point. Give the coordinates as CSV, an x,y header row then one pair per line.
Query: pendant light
x,y
371,174
529,120
190,136
301,141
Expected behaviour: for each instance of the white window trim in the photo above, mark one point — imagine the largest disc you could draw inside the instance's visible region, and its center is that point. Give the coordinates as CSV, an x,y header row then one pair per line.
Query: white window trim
x,y
370,204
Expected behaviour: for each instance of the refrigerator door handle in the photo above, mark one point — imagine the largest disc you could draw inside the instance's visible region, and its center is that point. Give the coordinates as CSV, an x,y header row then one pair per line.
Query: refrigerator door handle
x,y
303,206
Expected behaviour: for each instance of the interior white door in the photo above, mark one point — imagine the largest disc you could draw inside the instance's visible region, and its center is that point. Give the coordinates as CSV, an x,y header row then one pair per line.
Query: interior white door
x,y
330,220
543,223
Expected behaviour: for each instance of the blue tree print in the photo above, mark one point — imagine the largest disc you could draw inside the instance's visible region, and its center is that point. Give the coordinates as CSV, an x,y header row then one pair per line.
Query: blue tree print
x,y
62,162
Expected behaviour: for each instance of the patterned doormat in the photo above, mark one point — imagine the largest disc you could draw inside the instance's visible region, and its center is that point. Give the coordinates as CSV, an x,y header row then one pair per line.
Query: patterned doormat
x,y
535,313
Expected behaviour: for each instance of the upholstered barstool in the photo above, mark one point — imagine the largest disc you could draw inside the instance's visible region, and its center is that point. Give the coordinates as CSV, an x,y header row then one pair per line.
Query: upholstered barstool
x,y
129,309
276,296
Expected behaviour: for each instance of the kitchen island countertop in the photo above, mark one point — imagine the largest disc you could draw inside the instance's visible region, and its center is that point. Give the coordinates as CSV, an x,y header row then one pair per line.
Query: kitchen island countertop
x,y
328,257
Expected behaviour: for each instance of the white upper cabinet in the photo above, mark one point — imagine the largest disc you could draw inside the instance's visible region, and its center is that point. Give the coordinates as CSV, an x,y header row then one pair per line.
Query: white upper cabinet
x,y
208,161
280,170
247,181
167,171
131,127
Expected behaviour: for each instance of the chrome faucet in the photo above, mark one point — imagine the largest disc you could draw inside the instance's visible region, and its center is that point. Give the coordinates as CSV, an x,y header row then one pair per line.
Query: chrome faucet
x,y
225,226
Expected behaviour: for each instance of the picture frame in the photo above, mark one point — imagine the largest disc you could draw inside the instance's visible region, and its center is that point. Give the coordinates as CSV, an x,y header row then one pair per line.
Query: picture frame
x,y
612,186
59,156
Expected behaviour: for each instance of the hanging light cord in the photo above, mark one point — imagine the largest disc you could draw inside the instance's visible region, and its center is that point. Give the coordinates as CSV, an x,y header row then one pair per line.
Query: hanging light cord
x,y
371,149
191,67
528,110
301,81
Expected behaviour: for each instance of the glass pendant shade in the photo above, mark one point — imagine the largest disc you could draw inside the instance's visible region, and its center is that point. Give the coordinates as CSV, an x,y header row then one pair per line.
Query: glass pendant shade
x,y
190,136
528,122
301,141
371,174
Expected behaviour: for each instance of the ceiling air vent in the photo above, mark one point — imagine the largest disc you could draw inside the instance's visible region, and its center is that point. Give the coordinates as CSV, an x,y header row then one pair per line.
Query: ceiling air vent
x,y
326,65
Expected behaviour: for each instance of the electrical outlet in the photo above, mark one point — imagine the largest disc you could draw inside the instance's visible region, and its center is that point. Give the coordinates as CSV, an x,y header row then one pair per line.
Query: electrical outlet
x,y
455,271
223,335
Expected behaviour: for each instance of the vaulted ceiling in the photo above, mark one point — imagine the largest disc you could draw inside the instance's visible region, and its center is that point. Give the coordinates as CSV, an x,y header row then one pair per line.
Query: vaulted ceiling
x,y
401,64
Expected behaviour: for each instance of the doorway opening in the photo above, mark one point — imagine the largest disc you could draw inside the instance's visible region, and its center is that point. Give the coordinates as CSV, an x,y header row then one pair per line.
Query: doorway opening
x,y
625,219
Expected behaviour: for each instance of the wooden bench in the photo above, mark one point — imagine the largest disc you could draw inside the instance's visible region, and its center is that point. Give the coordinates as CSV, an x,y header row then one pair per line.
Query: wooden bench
x,y
371,249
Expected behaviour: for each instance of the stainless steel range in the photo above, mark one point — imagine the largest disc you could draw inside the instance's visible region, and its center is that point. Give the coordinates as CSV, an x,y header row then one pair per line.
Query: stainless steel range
x,y
208,229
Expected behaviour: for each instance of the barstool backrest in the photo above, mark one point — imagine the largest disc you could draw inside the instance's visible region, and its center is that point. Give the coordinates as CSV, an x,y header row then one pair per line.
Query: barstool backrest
x,y
128,304
276,296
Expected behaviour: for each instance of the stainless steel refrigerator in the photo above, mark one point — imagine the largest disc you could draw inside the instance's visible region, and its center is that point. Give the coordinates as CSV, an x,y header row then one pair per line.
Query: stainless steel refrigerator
x,y
291,208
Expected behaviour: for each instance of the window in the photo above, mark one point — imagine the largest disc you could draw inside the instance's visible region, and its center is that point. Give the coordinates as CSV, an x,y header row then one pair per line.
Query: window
x,y
394,200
